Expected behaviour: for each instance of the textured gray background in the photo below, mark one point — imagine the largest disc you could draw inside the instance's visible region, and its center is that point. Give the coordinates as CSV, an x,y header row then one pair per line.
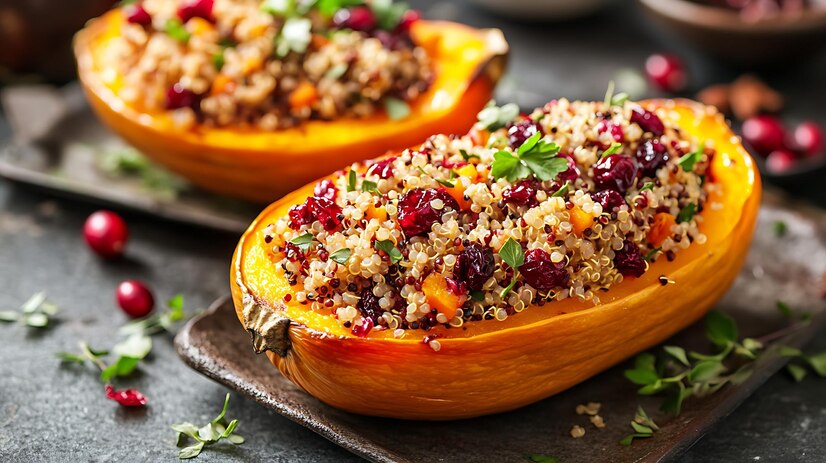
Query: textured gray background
x,y
53,413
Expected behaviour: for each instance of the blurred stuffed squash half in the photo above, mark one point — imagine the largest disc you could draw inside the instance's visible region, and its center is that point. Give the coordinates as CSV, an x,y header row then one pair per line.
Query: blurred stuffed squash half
x,y
254,98
477,274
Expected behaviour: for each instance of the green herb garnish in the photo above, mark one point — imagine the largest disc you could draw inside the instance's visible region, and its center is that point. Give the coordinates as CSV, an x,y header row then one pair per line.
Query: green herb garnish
x,y
218,60
614,100
467,156
643,427
369,187
445,183
351,180
687,213
537,458
209,434
780,228
295,36
494,117
562,191
36,312
330,7
651,254
390,249
335,72
396,109
477,295
303,241
613,149
157,323
512,254
687,161
647,186
388,14
535,157
341,256
175,29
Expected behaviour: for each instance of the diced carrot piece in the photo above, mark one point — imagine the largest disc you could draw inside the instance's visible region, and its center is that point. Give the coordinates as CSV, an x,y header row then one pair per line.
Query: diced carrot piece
x,y
319,40
304,95
468,171
479,137
661,228
439,297
580,220
222,84
199,26
483,175
259,30
458,193
374,212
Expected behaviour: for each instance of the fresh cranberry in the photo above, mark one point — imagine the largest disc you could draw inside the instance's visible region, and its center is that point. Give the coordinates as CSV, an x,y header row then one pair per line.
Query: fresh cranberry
x,y
651,155
475,265
408,18
369,306
628,260
134,298
326,189
363,329
541,273
666,72
614,129
417,215
780,160
126,397
573,172
315,208
294,253
609,199
179,97
106,233
456,287
648,121
764,133
520,131
358,18
196,9
523,193
615,172
809,138
137,14
383,168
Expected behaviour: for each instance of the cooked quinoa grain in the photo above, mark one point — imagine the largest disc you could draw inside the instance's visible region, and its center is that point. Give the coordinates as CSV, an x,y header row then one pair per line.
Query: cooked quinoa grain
x,y
267,64
564,203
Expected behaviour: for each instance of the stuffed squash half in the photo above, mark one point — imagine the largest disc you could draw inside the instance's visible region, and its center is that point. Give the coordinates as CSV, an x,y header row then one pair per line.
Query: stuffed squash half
x,y
476,274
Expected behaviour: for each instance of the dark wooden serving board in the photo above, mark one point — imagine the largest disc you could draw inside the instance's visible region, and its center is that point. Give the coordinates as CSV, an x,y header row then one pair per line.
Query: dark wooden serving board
x,y
791,269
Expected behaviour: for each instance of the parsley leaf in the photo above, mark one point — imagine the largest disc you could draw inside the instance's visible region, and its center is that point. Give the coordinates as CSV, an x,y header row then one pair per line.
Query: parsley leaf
x,y
613,149
687,161
303,241
209,434
351,180
175,29
369,187
494,117
341,256
396,109
388,247
512,254
687,213
534,156
388,14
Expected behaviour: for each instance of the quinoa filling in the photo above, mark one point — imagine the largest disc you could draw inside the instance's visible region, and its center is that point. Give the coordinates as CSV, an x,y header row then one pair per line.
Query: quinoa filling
x,y
268,64
522,211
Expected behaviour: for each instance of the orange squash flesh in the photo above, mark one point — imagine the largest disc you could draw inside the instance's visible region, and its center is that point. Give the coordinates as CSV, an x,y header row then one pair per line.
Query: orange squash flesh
x,y
492,366
262,166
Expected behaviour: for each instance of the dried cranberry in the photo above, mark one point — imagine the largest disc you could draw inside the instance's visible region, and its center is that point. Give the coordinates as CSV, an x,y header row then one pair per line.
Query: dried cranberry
x,y
369,306
628,260
648,121
573,172
764,133
651,155
179,97
134,298
615,172
326,189
137,14
614,129
363,329
780,161
106,233
359,18
408,18
666,72
521,130
383,168
541,273
609,199
416,215
809,138
315,208
294,253
196,9
523,192
475,265
126,397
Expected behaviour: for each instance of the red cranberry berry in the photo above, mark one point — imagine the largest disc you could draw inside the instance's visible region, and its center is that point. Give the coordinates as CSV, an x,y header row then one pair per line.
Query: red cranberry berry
x,y
781,160
196,9
126,397
137,14
106,233
651,155
609,199
417,215
809,138
359,18
615,172
541,273
408,18
315,208
764,133
648,121
521,130
628,260
573,172
666,72
326,189
363,329
614,129
475,265
134,298
523,193
179,97
294,253
383,168
369,306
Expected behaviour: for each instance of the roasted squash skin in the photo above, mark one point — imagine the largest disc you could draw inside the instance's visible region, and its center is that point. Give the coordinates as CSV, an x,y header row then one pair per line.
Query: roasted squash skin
x,y
263,166
496,366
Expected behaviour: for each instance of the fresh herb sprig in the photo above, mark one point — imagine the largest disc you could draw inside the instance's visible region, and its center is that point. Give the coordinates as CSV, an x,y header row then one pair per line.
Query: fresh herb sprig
x,y
209,434
129,354
512,254
643,427
494,117
390,249
159,322
535,157
539,458
36,312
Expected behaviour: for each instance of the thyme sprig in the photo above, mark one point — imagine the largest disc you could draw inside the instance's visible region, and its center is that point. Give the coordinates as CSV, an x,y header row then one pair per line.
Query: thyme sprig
x,y
209,434
36,312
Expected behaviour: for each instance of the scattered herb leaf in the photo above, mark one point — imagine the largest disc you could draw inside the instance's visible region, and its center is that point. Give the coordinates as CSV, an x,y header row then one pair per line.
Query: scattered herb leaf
x,y
388,247
369,187
687,161
562,191
351,180
512,254
295,36
209,434
303,241
613,149
494,117
175,29
687,213
651,254
780,228
647,186
537,458
396,109
341,256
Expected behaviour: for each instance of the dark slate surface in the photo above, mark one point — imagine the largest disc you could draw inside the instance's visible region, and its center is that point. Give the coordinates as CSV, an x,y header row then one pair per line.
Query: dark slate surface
x,y
49,413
